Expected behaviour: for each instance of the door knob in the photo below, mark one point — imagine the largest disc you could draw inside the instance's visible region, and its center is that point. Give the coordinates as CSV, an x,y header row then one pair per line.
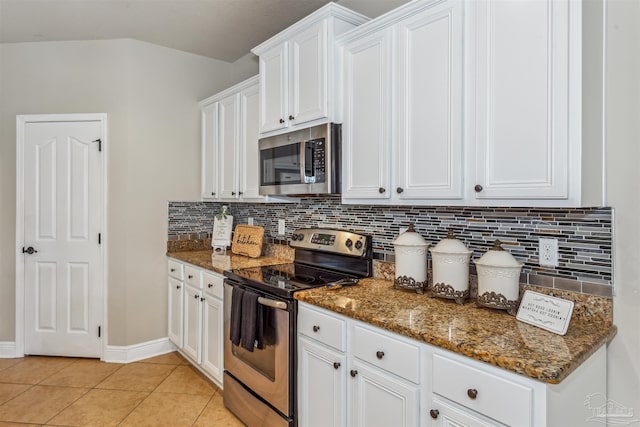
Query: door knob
x,y
291,117
472,393
29,250
353,373
281,120
399,190
434,413
381,190
478,188
336,365
316,328
379,354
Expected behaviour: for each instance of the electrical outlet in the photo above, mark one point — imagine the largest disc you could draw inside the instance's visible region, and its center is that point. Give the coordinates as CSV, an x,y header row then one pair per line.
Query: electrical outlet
x,y
250,220
281,228
548,252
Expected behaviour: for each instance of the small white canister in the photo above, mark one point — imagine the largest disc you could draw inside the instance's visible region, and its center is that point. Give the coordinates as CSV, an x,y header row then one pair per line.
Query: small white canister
x,y
411,261
450,263
498,279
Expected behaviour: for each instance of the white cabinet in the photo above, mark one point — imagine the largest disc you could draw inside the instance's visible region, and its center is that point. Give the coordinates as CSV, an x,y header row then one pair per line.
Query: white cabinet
x,y
196,316
396,381
297,70
373,384
403,107
230,169
482,106
527,103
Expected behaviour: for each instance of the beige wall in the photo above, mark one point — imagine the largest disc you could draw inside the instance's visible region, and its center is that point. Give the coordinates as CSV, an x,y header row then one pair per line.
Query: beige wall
x,y
150,94
623,187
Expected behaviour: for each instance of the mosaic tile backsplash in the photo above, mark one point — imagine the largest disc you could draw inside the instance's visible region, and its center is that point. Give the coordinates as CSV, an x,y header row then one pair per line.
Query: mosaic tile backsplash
x,y
584,234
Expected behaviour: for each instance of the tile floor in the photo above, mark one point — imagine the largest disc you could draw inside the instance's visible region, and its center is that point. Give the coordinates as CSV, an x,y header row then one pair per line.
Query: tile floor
x,y
58,391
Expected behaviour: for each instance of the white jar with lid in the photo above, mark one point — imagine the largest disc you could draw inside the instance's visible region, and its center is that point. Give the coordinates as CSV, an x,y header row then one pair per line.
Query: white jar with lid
x,y
498,279
450,264
411,261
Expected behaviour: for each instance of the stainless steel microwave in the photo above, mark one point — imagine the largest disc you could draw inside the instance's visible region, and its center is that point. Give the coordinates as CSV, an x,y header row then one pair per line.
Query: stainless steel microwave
x,y
301,162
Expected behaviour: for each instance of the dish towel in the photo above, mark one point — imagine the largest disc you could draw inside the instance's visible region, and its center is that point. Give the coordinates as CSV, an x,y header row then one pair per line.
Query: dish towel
x,y
251,315
235,329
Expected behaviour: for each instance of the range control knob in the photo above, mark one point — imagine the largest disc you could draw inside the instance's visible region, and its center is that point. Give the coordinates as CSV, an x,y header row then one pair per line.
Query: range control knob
x,y
359,244
294,237
348,243
300,236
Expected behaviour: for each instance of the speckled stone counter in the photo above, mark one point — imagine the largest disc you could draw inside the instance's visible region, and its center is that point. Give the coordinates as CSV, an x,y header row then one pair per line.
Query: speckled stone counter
x,y
483,334
219,263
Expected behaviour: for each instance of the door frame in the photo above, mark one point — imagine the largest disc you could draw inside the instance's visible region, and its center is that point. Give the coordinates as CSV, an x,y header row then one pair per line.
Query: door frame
x,y
21,122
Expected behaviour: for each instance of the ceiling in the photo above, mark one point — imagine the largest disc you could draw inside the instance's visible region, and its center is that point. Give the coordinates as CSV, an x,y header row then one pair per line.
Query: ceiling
x,y
220,29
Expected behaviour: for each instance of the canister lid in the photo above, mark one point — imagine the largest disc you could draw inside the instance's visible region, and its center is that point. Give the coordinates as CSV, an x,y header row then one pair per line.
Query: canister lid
x,y
450,245
498,257
410,238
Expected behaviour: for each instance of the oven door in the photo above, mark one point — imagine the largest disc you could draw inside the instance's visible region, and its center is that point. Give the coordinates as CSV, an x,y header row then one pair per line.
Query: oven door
x,y
264,371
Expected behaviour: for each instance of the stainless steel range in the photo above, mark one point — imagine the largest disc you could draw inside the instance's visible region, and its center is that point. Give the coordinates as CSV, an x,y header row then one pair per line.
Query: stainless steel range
x,y
260,321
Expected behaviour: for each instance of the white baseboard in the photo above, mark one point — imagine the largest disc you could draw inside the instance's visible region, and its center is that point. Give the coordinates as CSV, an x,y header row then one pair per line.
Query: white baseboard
x,y
135,352
7,349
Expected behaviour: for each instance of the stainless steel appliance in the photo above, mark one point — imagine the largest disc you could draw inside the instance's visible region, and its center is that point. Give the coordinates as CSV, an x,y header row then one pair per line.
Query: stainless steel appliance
x,y
305,161
260,385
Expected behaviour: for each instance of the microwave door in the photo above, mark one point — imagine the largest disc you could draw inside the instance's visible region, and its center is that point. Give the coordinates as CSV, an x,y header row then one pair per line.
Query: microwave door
x,y
307,167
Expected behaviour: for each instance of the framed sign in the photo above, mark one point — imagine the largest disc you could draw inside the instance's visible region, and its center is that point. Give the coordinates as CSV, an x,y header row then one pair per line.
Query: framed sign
x,y
546,312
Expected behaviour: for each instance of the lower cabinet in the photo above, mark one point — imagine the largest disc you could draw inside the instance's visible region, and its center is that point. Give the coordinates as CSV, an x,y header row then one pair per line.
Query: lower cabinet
x,y
391,380
196,317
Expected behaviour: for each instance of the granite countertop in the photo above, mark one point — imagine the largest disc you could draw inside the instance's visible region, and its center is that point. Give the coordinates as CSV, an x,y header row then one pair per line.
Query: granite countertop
x,y
483,334
220,263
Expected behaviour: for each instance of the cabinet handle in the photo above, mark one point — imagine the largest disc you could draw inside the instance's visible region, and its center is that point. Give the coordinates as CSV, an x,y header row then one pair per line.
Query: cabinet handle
x,y
336,365
381,190
291,117
379,354
173,269
202,299
434,413
233,193
472,393
196,296
281,121
353,373
399,190
478,188
240,193
316,328
190,276
177,286
210,285
213,194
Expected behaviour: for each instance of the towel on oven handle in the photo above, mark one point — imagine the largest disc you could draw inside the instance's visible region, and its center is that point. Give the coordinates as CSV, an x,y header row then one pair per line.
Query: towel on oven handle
x,y
235,330
252,322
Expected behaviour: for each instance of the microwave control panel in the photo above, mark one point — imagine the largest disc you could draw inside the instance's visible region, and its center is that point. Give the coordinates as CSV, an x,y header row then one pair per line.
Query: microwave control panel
x,y
315,155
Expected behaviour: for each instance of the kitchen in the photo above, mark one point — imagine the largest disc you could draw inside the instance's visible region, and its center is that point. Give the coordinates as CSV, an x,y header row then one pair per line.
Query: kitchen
x,y
139,188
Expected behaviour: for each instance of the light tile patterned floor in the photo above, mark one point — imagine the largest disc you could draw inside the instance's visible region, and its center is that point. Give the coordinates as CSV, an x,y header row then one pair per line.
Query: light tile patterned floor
x,y
58,391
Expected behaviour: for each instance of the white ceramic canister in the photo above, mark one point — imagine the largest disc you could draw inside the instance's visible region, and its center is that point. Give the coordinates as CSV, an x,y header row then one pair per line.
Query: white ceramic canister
x,y
450,264
411,261
498,279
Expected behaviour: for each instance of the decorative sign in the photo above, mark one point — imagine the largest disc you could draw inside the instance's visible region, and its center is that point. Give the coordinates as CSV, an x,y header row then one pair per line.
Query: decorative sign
x,y
546,312
247,240
221,236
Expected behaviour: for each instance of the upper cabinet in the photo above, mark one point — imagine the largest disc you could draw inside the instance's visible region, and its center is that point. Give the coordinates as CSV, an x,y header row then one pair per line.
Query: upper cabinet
x,y
230,144
460,102
297,71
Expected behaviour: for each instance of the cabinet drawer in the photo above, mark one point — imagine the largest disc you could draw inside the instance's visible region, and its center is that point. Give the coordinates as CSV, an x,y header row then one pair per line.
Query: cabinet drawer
x,y
322,327
498,398
175,269
387,352
193,276
213,284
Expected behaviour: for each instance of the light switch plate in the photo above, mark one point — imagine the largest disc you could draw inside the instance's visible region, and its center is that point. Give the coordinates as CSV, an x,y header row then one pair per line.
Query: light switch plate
x,y
281,227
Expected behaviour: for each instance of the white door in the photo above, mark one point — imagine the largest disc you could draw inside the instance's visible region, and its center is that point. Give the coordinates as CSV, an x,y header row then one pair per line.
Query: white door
x,y
273,89
192,312
176,302
212,336
62,216
249,154
209,123
228,147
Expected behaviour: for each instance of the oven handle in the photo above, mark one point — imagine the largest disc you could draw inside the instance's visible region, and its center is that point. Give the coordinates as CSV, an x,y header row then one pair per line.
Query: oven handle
x,y
272,303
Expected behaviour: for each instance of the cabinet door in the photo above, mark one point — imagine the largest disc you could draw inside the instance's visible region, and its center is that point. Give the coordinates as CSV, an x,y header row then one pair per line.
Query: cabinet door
x,y
209,136
212,336
176,288
522,99
192,322
381,399
443,414
430,77
366,130
249,134
308,75
321,385
228,147
273,89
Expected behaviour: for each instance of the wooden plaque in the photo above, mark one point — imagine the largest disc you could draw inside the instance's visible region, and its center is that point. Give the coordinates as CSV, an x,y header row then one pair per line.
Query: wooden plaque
x,y
247,240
